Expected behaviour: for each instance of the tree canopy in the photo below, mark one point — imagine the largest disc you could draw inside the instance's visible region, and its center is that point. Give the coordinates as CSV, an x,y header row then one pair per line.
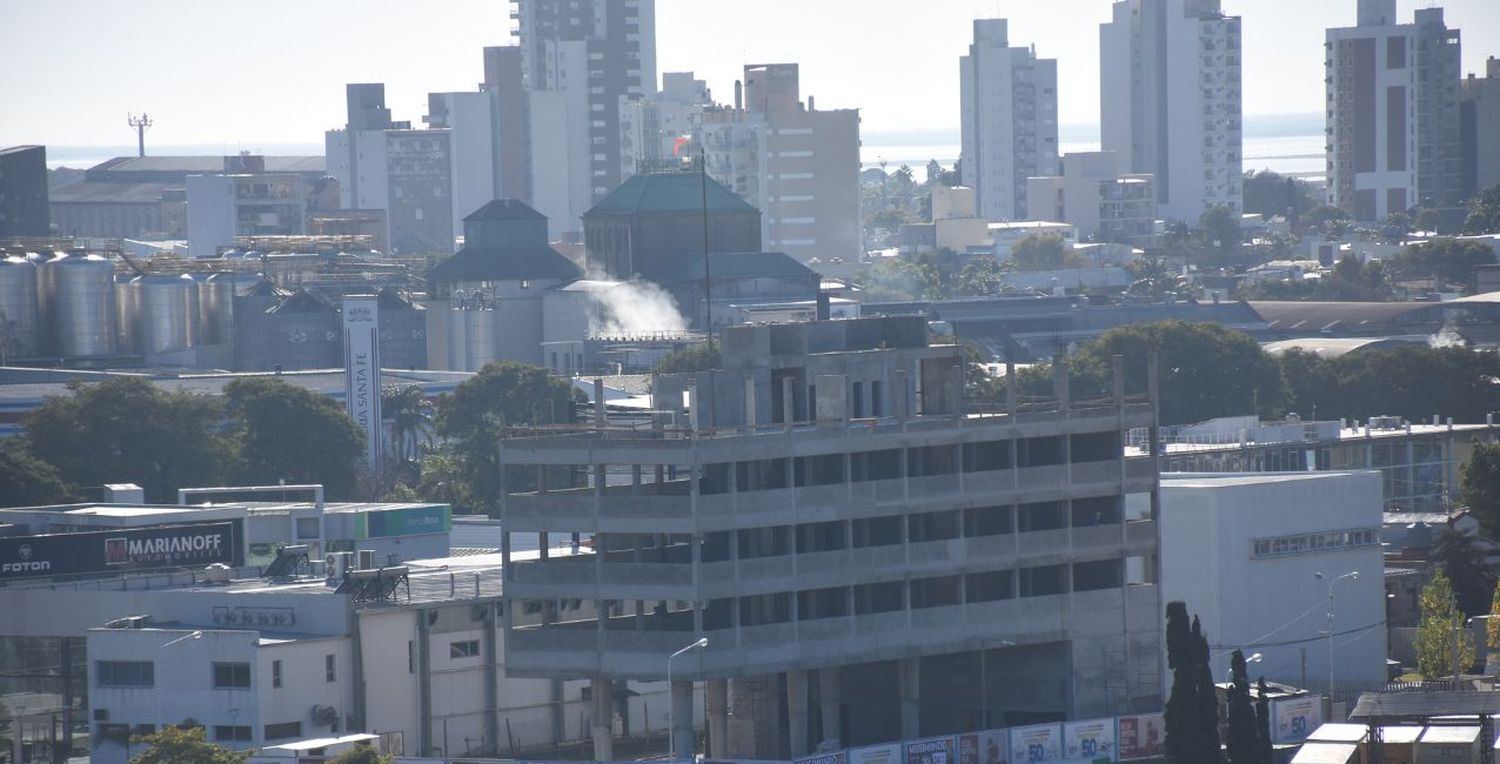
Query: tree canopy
x,y
1449,261
1269,193
1435,636
174,745
1413,381
1042,252
696,358
1479,481
284,432
1484,212
1192,712
362,754
1242,743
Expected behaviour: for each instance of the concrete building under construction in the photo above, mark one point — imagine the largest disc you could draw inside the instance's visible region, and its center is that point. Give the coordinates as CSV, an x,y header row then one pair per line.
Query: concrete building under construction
x,y
867,560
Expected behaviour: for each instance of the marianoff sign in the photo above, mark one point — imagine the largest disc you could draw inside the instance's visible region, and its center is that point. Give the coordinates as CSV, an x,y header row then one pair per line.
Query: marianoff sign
x,y
61,554
362,370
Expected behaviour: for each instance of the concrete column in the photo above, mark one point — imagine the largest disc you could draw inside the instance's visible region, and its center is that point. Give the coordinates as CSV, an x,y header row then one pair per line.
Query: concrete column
x,y
604,713
682,719
788,401
716,707
796,712
830,698
909,671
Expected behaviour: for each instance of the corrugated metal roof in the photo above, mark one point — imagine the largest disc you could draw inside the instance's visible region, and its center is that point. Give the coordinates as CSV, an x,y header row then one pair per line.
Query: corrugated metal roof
x,y
207,164
1421,705
484,264
668,192
86,192
739,265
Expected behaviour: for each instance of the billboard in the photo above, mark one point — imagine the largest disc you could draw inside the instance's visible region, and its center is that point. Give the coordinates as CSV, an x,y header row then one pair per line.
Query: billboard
x,y
936,750
1089,739
1142,736
120,549
889,753
362,370
988,747
1042,742
837,757
1295,718
408,521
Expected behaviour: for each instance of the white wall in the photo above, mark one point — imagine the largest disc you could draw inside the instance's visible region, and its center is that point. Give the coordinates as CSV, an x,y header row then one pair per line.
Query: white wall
x,y
211,214
473,152
561,180
1275,605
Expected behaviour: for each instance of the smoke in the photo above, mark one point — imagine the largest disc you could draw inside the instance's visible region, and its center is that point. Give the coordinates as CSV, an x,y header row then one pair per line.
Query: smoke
x,y
635,308
1447,337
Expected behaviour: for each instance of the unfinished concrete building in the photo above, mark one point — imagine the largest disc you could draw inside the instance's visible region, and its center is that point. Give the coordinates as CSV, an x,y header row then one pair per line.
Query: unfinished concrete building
x,y
868,561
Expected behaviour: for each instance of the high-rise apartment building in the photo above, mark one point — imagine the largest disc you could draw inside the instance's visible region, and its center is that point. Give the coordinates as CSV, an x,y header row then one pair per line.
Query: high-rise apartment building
x,y
1480,119
1096,196
469,119
653,128
798,165
23,192
1393,113
386,165
1170,101
579,58
1008,100
506,87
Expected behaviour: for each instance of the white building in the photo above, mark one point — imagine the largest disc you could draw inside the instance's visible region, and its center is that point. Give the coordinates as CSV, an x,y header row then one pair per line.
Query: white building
x,y
1170,101
654,128
1008,111
1006,235
1098,196
470,121
1393,112
221,207
1244,551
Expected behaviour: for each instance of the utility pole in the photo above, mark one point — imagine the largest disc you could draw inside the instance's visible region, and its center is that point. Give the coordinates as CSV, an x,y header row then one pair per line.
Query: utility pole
x,y
140,124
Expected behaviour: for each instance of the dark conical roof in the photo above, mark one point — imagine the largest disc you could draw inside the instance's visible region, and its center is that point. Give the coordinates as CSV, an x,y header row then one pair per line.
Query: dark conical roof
x,y
669,192
504,209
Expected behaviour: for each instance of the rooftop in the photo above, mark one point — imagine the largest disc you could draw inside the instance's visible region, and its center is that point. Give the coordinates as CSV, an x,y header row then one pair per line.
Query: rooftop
x,y
669,192
198,165
87,192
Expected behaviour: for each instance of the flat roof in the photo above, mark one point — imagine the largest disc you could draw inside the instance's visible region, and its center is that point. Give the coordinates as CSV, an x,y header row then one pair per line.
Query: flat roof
x,y
1325,753
321,742
1218,480
1334,732
1451,735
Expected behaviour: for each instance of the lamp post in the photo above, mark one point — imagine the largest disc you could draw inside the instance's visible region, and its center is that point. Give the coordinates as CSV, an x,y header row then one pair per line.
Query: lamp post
x,y
1353,574
193,635
671,705
1249,659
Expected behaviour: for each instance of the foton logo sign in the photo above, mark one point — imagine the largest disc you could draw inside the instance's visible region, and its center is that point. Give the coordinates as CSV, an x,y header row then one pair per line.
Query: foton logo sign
x,y
25,563
116,550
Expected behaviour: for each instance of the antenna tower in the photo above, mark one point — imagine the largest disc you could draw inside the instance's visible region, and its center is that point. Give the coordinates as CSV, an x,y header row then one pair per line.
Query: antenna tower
x,y
140,124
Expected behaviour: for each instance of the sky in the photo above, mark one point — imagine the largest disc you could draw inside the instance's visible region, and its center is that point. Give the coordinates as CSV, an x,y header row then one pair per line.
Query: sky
x,y
243,74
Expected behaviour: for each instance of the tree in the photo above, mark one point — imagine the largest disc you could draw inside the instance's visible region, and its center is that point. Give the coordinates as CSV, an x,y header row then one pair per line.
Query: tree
x,y
1192,709
1042,252
363,753
1436,634
284,432
1484,212
979,277
1263,722
1328,219
410,414
1396,227
1429,220
1205,370
1492,625
27,481
127,428
1449,261
696,358
1479,486
1243,742
1155,279
1462,562
902,279
1268,193
474,418
1211,751
1220,229
1405,380
175,745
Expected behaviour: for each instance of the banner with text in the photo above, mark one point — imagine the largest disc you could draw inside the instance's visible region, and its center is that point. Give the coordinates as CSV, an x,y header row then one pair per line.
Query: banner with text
x,y
1041,742
1295,718
937,750
1090,739
119,549
1142,736
988,747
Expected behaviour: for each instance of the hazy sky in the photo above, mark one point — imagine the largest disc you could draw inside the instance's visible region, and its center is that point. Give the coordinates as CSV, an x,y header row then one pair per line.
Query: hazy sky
x,y
239,73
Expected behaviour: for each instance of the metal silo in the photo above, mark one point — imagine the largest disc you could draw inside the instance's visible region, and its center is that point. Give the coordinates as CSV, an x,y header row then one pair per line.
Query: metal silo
x,y
20,321
127,316
169,312
302,332
403,332
81,305
216,305
473,338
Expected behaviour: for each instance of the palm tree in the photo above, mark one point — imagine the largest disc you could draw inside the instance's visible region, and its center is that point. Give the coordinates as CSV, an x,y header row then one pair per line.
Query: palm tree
x,y
410,415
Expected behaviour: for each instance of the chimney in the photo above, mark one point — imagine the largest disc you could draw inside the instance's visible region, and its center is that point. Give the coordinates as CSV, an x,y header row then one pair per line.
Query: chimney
x,y
824,311
810,106
739,96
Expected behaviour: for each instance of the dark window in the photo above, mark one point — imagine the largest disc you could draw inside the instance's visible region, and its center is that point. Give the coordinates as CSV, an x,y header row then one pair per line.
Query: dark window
x,y
1042,516
275,673
1097,510
1042,581
764,542
329,668
715,546
231,676
987,521
991,455
877,531
1096,447
857,400
125,673
883,597
820,537
466,649
933,526
761,474
232,733
932,460
994,585
1039,452
411,657
719,614
1100,574
937,592
875,465
765,608
819,470
715,479
877,406
822,603
283,730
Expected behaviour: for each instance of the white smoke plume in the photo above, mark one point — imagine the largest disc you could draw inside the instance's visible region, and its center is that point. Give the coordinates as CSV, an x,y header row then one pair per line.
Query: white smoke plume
x,y
1447,337
634,308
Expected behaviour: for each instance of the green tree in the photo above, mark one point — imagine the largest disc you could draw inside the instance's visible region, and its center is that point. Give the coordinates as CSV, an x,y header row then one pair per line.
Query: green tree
x,y
1242,742
1449,261
174,745
1220,230
1484,212
979,277
902,279
128,429
1154,279
696,358
1268,193
285,432
1192,709
474,418
410,415
1479,486
1263,722
1405,380
26,481
1435,636
363,753
1042,252
1492,625
1395,228
1429,220
1462,562
1328,219
1205,370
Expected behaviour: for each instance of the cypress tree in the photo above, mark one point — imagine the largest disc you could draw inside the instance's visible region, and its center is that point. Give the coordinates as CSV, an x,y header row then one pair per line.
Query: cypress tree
x,y
1263,722
1244,739
1207,738
1182,703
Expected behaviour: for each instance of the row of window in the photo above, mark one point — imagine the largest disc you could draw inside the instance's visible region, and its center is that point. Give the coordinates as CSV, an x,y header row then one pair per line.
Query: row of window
x,y
1305,543
226,676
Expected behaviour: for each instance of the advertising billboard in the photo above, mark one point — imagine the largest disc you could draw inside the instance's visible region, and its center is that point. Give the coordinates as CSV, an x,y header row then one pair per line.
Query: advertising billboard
x,y
936,750
362,370
123,549
1041,742
837,757
408,521
1295,718
1089,739
1143,736
988,747
889,753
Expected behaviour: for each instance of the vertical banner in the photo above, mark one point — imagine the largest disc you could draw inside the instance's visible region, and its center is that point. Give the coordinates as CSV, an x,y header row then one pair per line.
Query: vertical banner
x,y
1090,739
1142,736
1295,718
362,370
937,750
988,747
1042,742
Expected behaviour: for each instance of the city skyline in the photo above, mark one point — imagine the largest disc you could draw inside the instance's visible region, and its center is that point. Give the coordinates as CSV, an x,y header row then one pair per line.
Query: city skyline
x,y
900,71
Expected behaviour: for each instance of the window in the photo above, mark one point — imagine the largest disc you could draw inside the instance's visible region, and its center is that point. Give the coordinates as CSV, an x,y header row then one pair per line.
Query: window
x,y
307,528
411,657
236,734
125,673
329,669
469,649
275,673
283,730
231,676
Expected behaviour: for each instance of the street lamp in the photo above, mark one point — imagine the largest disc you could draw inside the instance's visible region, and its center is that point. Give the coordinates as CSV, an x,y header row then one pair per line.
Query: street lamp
x,y
1249,659
1353,574
194,635
671,702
